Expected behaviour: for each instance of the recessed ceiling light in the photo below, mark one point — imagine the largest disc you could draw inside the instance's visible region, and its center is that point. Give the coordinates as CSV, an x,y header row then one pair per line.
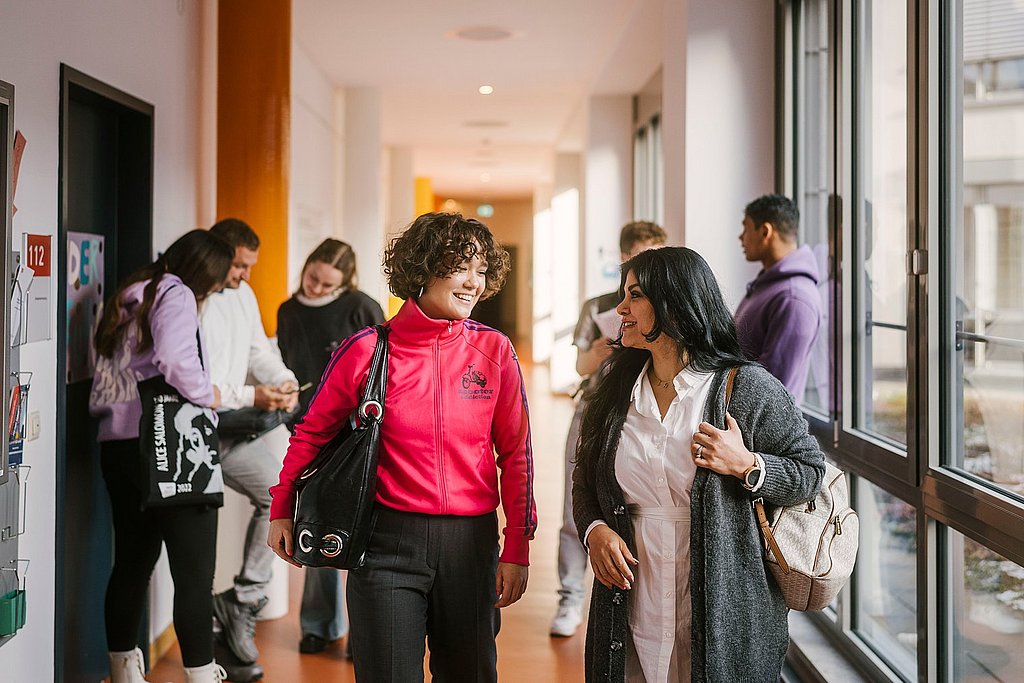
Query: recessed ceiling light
x,y
485,89
485,177
480,33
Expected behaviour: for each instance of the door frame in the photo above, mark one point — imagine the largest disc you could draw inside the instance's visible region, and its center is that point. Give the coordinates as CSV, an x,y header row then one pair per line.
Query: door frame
x,y
71,79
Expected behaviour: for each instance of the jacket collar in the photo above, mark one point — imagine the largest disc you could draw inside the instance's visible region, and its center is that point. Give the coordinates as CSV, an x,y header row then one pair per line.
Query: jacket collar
x,y
411,326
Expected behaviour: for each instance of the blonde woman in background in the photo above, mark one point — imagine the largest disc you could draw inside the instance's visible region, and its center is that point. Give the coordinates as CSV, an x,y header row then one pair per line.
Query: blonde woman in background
x,y
326,309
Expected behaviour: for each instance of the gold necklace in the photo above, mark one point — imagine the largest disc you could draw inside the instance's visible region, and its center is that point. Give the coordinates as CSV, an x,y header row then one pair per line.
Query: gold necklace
x,y
657,380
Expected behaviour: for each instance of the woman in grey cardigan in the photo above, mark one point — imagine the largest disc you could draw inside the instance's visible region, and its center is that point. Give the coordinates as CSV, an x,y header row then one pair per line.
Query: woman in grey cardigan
x,y
664,481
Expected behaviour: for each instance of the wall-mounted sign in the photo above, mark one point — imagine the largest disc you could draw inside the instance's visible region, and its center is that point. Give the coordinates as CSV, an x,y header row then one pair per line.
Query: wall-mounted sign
x,y
85,301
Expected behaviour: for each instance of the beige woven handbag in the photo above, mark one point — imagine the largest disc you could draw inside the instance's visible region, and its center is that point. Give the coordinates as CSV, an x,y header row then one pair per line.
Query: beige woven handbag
x,y
811,548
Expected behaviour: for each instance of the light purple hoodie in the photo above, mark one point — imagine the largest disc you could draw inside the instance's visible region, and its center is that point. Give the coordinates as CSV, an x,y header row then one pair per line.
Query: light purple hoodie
x,y
779,318
175,354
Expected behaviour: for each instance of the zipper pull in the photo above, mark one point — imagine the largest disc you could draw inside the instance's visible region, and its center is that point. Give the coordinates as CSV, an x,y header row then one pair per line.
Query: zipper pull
x,y
839,526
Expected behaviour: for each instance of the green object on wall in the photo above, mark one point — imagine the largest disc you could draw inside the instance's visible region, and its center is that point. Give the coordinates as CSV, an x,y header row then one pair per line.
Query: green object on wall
x,y
12,612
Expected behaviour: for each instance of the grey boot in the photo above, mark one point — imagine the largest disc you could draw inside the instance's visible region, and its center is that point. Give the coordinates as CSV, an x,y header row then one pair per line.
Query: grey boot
x,y
127,667
210,673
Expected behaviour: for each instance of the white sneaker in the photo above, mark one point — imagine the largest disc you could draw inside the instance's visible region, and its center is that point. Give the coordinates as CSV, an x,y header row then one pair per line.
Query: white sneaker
x,y
566,620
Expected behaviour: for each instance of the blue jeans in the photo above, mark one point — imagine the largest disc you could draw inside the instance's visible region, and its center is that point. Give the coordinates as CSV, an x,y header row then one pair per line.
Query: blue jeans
x,y
323,604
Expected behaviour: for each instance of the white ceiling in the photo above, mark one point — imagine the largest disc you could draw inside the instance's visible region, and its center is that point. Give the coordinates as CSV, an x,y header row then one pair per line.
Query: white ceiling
x,y
560,52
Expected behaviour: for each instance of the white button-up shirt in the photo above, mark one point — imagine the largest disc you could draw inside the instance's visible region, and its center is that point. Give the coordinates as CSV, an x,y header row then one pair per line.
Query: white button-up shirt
x,y
654,467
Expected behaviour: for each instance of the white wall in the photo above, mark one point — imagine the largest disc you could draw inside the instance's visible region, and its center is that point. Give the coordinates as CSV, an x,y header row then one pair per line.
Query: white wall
x,y
362,223
729,124
314,137
608,193
149,49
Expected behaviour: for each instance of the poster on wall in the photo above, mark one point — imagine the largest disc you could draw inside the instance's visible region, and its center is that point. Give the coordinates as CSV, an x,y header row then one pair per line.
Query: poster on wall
x,y
85,302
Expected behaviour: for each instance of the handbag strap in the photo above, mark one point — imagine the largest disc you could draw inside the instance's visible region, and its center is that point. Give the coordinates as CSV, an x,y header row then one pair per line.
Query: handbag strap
x,y
762,516
372,404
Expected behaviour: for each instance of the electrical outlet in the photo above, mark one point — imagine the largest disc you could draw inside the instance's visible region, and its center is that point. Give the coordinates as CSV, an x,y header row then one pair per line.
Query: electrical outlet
x,y
33,425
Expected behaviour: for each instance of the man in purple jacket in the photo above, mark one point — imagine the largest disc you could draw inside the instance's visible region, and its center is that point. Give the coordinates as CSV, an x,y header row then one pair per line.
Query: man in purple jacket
x,y
780,316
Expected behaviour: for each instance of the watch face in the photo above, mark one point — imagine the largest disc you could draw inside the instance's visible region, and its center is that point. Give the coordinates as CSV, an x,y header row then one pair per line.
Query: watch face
x,y
753,477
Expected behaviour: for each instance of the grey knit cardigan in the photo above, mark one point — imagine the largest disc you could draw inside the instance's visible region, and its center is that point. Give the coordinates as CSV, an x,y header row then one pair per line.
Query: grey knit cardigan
x,y
739,628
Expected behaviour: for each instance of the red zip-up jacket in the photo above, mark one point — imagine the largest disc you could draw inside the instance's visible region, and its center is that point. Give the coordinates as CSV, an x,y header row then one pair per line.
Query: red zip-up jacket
x,y
456,433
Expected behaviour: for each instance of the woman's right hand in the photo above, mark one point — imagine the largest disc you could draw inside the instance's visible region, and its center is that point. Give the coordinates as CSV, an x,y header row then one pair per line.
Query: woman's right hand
x,y
280,539
610,558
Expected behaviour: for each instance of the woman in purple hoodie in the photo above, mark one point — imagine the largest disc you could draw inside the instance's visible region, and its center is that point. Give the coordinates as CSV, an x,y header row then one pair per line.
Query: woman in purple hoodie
x,y
150,327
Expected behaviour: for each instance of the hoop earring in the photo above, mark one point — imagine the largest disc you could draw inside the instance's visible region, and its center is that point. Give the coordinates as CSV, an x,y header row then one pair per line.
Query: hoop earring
x,y
421,293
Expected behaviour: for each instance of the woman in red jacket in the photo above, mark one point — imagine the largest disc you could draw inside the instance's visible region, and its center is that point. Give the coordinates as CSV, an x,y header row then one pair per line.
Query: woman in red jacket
x,y
455,442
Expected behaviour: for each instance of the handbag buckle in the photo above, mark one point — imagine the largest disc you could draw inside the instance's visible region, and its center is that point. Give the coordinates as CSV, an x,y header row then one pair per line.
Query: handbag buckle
x,y
366,406
332,546
303,535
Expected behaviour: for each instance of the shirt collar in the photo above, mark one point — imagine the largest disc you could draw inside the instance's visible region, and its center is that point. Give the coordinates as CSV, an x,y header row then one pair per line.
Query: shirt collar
x,y
684,381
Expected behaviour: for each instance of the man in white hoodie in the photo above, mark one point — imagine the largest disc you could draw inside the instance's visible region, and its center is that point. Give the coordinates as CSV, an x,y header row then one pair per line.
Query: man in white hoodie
x,y
238,349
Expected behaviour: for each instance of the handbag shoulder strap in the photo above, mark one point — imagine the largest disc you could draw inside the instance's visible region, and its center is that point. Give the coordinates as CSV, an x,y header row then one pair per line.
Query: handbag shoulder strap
x,y
762,516
372,403
728,386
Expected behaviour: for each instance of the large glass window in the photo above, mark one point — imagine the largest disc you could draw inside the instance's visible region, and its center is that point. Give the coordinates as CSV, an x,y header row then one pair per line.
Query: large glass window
x,y
880,219
987,613
886,575
814,180
906,153
985,245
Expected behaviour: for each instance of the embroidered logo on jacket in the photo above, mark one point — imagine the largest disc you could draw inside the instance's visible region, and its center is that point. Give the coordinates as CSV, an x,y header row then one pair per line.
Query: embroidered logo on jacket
x,y
474,385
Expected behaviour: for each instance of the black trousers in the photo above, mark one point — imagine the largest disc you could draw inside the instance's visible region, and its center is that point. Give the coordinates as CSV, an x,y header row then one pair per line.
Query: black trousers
x,y
190,533
432,576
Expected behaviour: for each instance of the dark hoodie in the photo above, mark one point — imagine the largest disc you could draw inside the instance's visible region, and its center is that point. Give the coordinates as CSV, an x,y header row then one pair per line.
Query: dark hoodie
x,y
778,320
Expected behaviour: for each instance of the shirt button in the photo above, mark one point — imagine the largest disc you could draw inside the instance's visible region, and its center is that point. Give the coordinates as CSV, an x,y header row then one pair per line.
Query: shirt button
x,y
668,634
668,594
615,646
661,480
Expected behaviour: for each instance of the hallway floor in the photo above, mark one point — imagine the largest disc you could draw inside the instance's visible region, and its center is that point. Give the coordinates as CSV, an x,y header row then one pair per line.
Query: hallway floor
x,y
525,650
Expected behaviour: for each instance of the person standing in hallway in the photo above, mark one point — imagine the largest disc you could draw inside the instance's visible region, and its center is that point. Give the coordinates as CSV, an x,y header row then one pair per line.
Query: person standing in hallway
x,y
455,442
662,490
780,317
326,310
592,349
238,348
150,327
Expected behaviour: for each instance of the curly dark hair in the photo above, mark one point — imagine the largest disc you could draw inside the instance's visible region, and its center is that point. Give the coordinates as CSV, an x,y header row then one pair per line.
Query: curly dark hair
x,y
434,246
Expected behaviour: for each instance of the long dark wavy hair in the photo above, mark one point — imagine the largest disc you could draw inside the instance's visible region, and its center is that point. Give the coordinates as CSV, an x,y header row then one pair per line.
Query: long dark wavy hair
x,y
199,257
689,309
434,246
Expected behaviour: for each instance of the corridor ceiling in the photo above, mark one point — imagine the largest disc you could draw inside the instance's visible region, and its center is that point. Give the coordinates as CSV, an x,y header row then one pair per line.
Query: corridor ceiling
x,y
559,53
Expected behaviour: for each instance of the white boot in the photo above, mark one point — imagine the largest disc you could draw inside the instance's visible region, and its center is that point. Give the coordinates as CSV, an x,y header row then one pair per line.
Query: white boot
x,y
127,667
210,673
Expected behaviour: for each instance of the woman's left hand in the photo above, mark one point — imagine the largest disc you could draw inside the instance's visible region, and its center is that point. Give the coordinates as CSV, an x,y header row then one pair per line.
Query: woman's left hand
x,y
721,450
510,583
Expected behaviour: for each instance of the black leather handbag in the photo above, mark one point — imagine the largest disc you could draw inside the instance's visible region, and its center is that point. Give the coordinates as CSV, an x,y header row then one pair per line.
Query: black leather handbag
x,y
335,494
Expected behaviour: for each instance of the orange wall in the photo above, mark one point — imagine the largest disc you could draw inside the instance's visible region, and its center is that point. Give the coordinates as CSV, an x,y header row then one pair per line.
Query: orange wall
x,y
253,120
